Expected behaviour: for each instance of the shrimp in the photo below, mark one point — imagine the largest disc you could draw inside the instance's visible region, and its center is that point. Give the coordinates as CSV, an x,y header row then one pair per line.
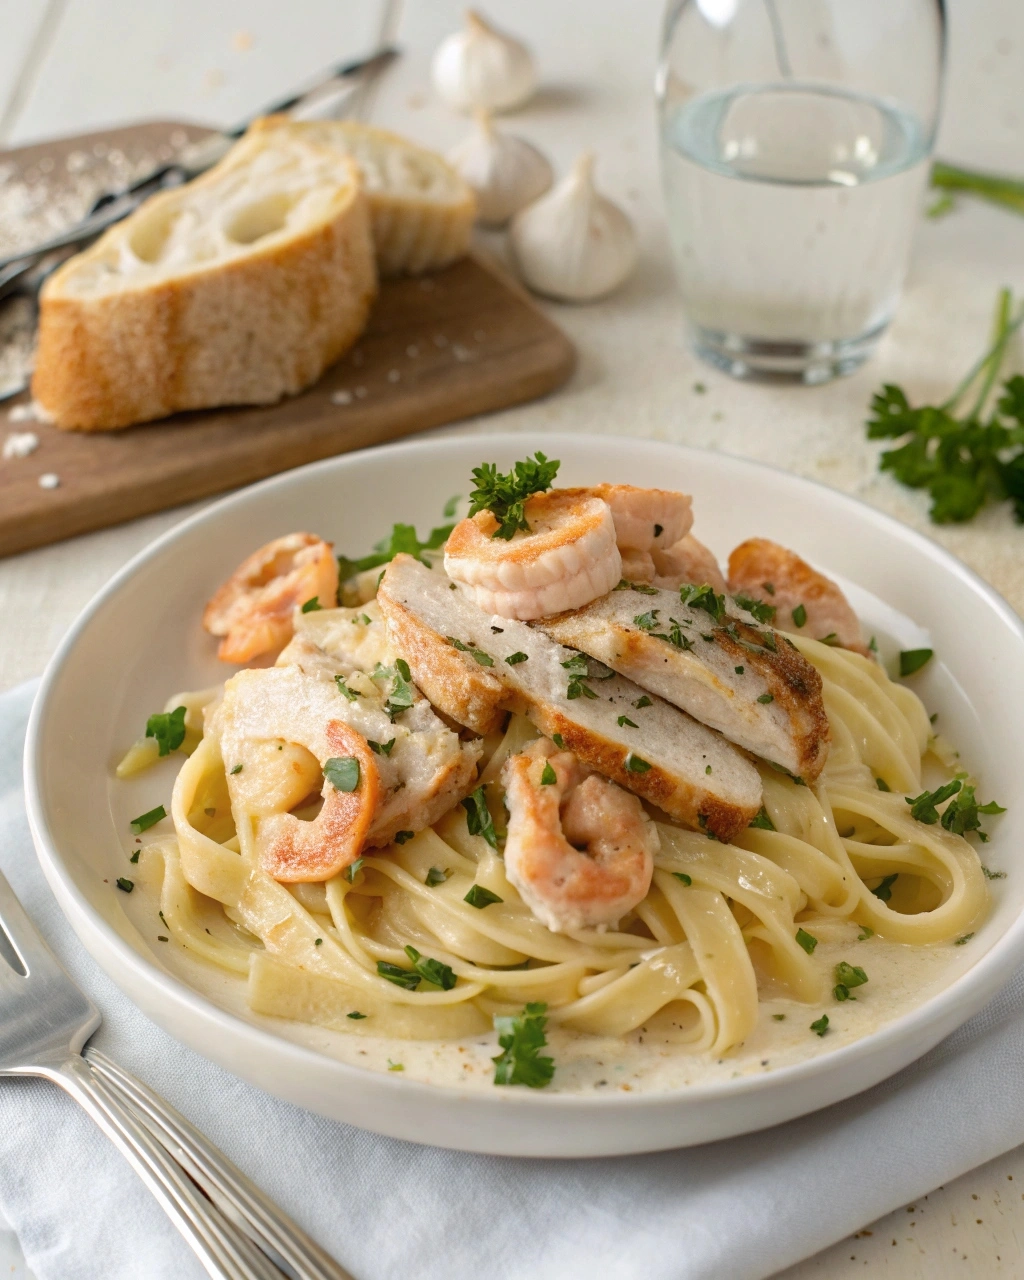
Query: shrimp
x,y
646,518
253,609
567,558
687,561
771,573
293,851
580,850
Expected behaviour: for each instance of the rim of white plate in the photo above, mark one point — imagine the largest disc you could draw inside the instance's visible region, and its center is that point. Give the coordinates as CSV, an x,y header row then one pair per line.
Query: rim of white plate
x,y
995,965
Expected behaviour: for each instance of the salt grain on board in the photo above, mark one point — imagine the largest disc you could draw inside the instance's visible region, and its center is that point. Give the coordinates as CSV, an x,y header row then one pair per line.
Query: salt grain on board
x,y
341,397
19,444
49,480
393,375
22,413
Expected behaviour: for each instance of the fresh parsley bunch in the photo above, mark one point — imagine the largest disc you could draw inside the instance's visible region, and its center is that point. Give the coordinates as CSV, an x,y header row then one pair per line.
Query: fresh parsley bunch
x,y
967,460
505,495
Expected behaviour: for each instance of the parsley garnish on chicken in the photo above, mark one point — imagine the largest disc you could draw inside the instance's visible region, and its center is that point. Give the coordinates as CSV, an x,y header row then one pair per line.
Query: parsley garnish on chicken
x,y
505,495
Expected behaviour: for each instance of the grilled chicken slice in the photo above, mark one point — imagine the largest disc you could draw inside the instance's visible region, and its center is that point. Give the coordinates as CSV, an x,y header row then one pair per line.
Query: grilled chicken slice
x,y
422,775
741,679
779,577
353,640
641,742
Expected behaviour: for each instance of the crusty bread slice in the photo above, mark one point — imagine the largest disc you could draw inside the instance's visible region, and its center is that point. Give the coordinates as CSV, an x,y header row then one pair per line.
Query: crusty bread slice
x,y
743,680
422,210
658,752
239,288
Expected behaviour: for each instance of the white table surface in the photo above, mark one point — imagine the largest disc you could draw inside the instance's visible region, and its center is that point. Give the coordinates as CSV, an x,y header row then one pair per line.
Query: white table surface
x,y
72,65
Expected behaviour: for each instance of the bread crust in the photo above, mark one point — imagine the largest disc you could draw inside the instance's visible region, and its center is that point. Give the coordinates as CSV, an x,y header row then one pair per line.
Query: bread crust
x,y
247,330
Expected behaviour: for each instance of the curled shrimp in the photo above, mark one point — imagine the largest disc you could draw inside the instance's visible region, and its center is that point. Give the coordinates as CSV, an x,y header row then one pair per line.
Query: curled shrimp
x,y
289,849
688,561
579,849
646,519
567,558
768,572
253,609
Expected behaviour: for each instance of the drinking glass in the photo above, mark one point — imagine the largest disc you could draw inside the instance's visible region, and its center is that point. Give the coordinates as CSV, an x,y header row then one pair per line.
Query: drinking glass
x,y
795,143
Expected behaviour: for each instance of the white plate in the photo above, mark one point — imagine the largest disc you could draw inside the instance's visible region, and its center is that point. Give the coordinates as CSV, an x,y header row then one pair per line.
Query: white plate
x,y
140,640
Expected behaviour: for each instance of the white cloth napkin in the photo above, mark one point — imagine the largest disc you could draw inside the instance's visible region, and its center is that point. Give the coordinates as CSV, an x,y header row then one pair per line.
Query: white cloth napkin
x,y
736,1210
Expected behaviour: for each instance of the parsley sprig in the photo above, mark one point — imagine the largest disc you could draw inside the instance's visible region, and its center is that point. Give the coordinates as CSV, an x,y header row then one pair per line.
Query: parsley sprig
x,y
521,1040
967,460
403,537
505,495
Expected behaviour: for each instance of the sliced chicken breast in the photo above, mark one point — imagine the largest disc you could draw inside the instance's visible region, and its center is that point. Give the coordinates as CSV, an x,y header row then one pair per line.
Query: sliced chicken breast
x,y
639,741
734,675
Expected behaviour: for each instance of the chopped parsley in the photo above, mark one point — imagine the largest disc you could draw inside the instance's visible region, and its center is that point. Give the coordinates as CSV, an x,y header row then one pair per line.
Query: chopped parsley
x,y
521,1040
342,772
634,764
435,876
395,1066
353,869
318,942
400,696
432,971
821,1026
961,940
362,618
312,606
381,748
738,670
989,874
237,769
757,608
625,722
768,640
799,616
402,837
806,940
847,977
343,688
768,587
641,588
642,702
124,884
548,777
778,1017
450,507
647,621
168,728
831,639
408,979
135,858
674,635
480,897
402,538
883,890
765,698
578,670
703,597
865,933
761,820
882,785
355,1015
923,807
478,817
558,740
682,877
912,660
484,659
514,659
961,815
505,495
146,820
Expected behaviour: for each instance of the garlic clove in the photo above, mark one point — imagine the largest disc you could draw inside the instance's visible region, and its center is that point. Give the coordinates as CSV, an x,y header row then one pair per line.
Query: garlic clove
x,y
573,243
480,66
506,173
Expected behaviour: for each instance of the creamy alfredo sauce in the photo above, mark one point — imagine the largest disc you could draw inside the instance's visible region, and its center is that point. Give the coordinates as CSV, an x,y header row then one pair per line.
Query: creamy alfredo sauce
x,y
900,978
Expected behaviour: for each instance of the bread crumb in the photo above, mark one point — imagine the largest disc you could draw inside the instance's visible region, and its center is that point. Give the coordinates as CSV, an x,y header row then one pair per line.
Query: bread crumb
x,y
19,444
242,41
49,480
341,397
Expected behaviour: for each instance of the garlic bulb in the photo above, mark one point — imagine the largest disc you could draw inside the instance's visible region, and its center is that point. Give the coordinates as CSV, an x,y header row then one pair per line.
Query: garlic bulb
x,y
506,173
482,67
572,243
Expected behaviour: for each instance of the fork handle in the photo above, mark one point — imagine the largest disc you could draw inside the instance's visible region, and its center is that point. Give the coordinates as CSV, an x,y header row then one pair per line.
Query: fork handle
x,y
224,1251
236,1196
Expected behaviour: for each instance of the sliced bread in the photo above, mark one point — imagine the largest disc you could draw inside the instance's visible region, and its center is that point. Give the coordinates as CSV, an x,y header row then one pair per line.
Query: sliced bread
x,y
238,288
641,742
422,211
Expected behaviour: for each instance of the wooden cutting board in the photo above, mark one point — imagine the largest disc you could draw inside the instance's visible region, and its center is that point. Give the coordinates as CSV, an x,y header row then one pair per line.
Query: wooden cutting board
x,y
463,341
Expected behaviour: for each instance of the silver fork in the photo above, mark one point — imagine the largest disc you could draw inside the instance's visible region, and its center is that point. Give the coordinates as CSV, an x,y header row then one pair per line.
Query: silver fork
x,y
45,1022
